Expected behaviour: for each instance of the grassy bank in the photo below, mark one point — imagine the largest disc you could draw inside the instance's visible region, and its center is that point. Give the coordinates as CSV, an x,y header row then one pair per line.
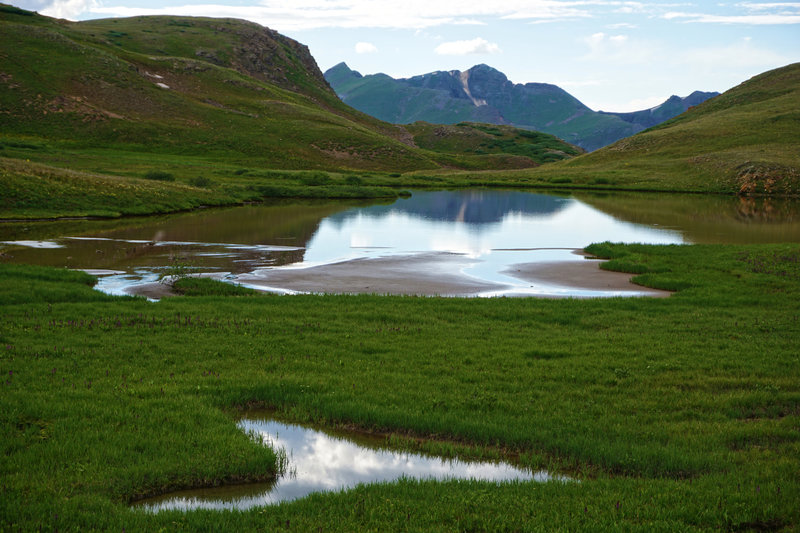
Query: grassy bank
x,y
672,414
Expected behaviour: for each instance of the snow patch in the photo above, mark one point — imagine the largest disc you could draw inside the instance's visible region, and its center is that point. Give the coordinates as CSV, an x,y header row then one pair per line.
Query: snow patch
x,y
163,85
464,78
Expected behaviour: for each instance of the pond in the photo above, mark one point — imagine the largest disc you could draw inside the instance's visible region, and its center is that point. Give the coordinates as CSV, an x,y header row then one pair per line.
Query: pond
x,y
466,242
319,461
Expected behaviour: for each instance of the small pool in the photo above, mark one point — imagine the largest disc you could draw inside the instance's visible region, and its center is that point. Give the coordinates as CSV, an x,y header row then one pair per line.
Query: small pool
x,y
319,461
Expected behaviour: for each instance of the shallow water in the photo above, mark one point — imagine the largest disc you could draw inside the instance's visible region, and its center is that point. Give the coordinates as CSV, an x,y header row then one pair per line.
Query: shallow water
x,y
321,462
493,230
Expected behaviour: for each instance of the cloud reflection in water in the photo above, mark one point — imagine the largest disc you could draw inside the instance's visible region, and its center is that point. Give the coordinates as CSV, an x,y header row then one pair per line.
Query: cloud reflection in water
x,y
320,462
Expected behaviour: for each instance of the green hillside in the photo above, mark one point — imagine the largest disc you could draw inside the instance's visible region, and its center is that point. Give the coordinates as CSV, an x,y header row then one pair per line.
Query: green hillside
x,y
745,141
223,109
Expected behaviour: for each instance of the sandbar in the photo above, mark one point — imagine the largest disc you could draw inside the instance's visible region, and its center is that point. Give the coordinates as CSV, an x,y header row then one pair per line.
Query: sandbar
x,y
431,274
583,274
428,274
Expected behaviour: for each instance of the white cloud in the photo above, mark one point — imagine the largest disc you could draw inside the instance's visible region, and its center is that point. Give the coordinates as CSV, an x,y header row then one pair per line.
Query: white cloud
x,y
769,5
409,14
462,48
68,9
753,13
365,48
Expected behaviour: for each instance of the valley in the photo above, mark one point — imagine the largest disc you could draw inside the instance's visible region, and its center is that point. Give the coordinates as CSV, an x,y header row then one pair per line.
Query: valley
x,y
209,157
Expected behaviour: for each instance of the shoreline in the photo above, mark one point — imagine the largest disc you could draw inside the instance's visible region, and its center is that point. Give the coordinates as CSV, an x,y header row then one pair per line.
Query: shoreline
x,y
435,274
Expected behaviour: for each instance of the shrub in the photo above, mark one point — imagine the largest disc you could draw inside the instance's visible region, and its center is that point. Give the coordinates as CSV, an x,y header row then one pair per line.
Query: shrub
x,y
314,179
200,181
159,175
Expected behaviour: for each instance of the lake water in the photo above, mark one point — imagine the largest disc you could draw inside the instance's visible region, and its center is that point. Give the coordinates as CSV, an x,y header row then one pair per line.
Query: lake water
x,y
487,231
320,461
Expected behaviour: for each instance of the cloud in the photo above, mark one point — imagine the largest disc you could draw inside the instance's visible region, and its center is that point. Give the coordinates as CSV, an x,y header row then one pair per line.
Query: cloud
x,y
759,6
407,14
62,9
777,18
462,48
365,48
753,13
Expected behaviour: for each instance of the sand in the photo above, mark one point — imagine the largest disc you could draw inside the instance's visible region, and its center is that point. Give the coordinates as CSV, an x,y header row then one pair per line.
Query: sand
x,y
585,274
438,274
424,274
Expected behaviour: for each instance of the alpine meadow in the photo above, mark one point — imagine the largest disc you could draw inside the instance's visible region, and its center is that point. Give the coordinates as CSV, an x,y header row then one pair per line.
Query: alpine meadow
x,y
677,413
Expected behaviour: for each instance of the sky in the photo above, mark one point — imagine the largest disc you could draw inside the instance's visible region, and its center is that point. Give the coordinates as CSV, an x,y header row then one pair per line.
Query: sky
x,y
611,55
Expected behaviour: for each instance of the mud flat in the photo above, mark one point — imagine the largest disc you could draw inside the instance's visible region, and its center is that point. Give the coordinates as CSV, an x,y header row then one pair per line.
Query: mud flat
x,y
423,274
585,274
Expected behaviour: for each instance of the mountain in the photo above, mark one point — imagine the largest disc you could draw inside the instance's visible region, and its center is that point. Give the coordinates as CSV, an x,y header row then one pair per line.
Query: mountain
x,y
197,101
743,141
672,107
483,94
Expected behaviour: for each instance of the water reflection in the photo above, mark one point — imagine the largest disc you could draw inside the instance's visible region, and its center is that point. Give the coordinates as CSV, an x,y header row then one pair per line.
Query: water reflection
x,y
491,230
320,462
474,208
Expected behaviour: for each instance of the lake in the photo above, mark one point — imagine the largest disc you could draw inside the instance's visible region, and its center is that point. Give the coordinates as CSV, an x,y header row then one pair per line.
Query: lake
x,y
465,242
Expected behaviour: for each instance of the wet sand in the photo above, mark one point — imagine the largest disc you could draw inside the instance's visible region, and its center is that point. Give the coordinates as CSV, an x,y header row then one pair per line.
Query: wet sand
x,y
439,274
153,291
430,274
433,274
585,274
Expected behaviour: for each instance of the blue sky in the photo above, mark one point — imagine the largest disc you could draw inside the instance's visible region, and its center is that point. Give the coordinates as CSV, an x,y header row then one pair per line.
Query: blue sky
x,y
612,55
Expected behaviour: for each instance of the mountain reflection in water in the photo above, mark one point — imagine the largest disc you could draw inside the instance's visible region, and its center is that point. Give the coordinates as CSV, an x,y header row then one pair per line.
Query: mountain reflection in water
x,y
468,207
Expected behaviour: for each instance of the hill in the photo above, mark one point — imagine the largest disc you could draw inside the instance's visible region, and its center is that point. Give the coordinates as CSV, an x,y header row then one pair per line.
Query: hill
x,y
213,106
484,94
744,141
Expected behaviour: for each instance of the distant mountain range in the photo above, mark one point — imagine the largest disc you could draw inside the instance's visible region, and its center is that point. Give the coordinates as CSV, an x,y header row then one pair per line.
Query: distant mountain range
x,y
484,94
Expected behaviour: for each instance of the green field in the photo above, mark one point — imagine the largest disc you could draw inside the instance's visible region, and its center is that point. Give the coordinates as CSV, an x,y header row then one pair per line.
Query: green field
x,y
671,414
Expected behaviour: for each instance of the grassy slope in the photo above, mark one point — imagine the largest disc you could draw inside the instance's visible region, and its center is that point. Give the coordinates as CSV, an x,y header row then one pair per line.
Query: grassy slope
x,y
743,141
86,97
503,142
675,414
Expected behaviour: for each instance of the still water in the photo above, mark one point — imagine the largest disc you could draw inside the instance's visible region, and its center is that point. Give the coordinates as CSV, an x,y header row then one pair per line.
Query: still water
x,y
320,462
488,231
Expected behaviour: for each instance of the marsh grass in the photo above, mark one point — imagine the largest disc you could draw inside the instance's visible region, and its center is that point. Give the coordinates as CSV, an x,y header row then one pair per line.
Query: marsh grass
x,y
674,414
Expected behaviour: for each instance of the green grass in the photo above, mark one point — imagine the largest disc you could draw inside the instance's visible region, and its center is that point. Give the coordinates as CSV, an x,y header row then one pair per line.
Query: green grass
x,y
190,286
673,414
